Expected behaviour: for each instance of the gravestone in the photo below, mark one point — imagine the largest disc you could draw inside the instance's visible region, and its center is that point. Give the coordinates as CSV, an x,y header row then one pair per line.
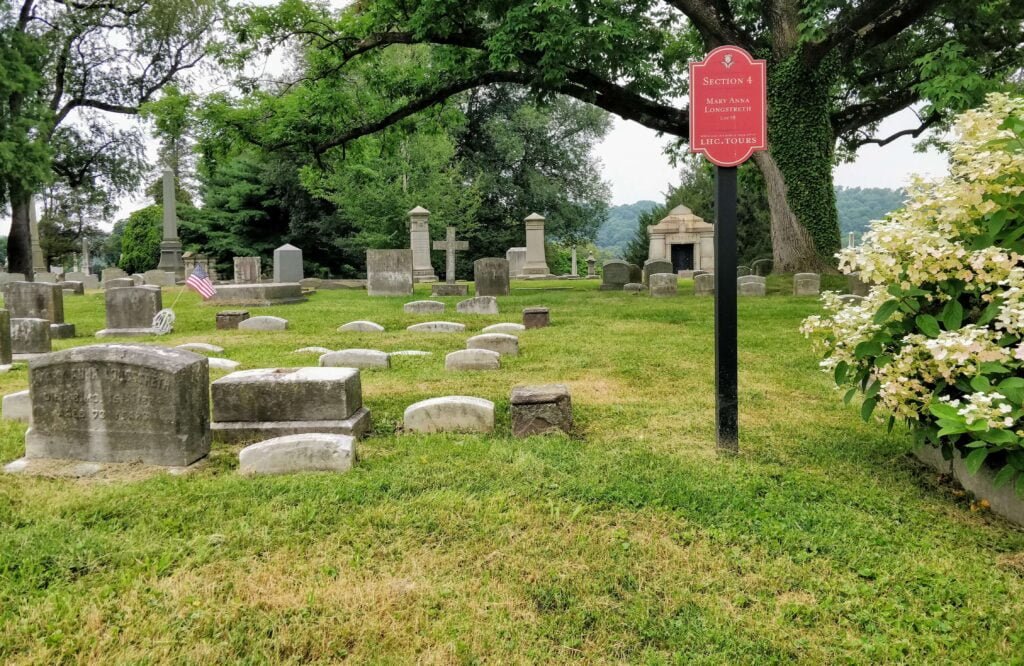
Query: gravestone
x,y
419,245
751,285
355,358
45,277
287,264
453,413
120,403
361,326
806,284
308,452
857,286
704,284
516,258
490,276
663,285
30,336
263,323
636,274
130,311
481,305
437,327
423,307
138,279
274,402
450,247
158,278
634,287
537,410
170,246
615,275
230,319
652,266
119,283
18,406
11,277
109,274
536,257
536,317
73,287
472,359
5,340
38,300
591,266
510,328
247,270
389,272
503,343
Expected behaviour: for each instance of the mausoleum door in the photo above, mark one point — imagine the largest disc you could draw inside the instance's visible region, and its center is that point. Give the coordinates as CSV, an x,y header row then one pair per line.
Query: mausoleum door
x,y
682,257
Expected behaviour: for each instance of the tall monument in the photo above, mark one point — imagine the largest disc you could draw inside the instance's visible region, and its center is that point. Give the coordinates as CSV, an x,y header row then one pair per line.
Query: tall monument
x,y
536,259
38,263
86,264
170,247
419,241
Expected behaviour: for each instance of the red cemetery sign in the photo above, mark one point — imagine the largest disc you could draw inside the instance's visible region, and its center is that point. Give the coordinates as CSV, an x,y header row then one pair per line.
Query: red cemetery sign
x,y
728,102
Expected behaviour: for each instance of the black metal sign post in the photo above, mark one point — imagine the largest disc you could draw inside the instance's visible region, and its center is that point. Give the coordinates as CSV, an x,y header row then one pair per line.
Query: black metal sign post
x,y
726,361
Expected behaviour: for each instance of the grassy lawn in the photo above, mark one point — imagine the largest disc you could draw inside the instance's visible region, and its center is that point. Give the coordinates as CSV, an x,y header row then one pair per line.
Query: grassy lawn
x,y
631,541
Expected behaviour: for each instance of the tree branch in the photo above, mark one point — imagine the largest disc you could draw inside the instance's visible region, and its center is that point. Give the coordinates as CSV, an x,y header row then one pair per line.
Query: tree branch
x,y
912,132
868,24
716,27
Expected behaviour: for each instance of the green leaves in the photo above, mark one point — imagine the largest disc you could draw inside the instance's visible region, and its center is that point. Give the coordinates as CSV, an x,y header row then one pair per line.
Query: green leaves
x,y
974,460
952,315
886,310
867,348
928,325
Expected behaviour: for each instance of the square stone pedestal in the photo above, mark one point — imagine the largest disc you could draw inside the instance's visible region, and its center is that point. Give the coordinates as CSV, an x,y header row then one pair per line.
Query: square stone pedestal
x,y
541,409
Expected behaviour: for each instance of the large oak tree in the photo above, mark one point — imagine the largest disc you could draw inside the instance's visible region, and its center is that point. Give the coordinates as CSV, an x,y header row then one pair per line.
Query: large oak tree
x,y
836,69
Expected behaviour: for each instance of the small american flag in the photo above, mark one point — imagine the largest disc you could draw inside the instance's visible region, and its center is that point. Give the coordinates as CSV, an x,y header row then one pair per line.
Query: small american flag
x,y
200,281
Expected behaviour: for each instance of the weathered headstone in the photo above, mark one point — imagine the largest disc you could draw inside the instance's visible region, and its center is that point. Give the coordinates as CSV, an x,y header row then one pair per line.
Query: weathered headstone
x,y
419,245
109,274
537,410
230,319
30,336
503,343
355,358
454,413
806,284
247,270
704,284
510,328
751,285
120,403
634,287
287,264
72,287
274,402
5,339
652,266
482,305
536,317
308,452
636,274
130,311
472,359
11,277
138,279
158,278
423,307
615,275
591,266
536,258
437,327
361,326
664,285
389,272
516,258
38,300
490,276
263,323
46,277
18,406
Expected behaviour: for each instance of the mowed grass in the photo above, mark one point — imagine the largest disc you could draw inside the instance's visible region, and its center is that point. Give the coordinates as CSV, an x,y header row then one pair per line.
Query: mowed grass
x,y
630,541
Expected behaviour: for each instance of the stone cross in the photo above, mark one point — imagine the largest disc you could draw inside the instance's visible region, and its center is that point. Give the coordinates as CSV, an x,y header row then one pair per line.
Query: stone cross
x,y
450,247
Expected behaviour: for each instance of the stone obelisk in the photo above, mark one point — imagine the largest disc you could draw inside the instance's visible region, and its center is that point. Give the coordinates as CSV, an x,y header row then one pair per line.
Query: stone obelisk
x,y
419,241
38,263
85,257
170,247
536,261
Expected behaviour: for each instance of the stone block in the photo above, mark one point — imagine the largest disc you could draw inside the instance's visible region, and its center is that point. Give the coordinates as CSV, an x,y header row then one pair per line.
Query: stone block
x,y
45,277
355,358
120,403
516,258
308,452
508,327
109,274
655,266
504,344
541,409
18,406
34,300
491,277
30,336
423,307
119,283
751,285
73,287
263,323
223,364
158,278
614,275
444,289
663,285
481,305
536,317
472,359
130,310
247,270
361,327
806,284
389,272
11,277
258,295
634,287
437,327
288,264
454,413
704,284
230,319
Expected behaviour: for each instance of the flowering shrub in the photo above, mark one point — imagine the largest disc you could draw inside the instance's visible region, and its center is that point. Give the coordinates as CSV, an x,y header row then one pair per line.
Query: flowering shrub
x,y
938,340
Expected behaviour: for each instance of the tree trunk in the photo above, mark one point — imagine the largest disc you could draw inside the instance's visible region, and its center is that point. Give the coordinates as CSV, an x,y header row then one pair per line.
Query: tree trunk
x,y
19,244
793,249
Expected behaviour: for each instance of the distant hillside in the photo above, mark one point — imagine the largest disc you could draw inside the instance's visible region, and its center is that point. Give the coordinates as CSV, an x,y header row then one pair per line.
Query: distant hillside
x,y
621,225
858,206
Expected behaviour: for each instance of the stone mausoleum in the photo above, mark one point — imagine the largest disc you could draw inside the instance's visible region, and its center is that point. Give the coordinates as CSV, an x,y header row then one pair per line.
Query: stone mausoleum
x,y
684,239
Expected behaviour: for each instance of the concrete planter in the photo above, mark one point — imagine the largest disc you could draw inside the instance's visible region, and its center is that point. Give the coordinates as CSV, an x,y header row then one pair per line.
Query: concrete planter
x,y
1004,501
